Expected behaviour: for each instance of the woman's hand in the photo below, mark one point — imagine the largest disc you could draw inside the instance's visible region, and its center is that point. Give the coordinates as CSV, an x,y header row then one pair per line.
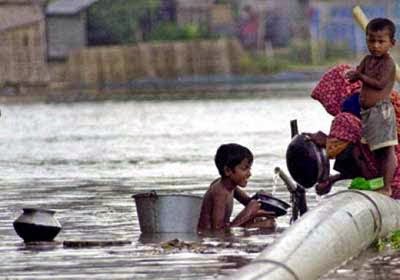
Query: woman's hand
x,y
319,138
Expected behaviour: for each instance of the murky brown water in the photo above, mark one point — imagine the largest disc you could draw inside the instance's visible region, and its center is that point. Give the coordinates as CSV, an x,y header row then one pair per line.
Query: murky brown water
x,y
370,265
86,160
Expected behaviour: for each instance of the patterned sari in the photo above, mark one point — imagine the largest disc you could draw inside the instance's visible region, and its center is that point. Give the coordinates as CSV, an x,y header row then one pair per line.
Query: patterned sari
x,y
331,91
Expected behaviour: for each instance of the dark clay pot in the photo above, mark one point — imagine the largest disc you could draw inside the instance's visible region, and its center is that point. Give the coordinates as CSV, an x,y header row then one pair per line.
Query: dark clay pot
x,y
37,225
307,163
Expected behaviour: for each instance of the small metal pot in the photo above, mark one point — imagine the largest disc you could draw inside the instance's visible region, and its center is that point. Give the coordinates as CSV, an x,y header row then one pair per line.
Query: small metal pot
x,y
37,225
160,213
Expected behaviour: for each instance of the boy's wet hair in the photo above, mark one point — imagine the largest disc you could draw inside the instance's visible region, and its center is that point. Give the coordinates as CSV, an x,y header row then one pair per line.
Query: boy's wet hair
x,y
230,155
378,24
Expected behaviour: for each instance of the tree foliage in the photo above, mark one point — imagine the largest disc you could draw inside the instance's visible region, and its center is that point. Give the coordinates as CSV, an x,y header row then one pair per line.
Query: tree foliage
x,y
172,32
120,21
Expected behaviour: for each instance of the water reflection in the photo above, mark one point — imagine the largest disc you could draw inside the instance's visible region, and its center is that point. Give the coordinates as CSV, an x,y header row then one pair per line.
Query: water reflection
x,y
369,266
86,160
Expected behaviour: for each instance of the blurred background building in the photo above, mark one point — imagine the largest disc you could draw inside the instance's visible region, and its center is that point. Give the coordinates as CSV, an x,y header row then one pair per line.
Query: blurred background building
x,y
22,43
262,25
41,39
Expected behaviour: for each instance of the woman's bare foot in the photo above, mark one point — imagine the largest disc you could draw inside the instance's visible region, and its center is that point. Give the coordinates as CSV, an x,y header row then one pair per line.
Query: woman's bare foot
x,y
385,191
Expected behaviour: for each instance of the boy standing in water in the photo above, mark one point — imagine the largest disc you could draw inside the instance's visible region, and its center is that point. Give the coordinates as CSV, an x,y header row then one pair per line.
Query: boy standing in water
x,y
377,73
233,162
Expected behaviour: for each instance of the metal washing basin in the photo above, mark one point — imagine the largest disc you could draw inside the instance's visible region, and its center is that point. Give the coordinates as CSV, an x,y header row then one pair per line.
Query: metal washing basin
x,y
159,213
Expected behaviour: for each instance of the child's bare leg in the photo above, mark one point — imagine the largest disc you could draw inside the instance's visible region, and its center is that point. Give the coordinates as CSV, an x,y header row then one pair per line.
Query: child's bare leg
x,y
387,161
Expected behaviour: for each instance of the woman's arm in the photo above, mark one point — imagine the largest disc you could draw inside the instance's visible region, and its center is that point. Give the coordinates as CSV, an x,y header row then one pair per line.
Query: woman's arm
x,y
319,138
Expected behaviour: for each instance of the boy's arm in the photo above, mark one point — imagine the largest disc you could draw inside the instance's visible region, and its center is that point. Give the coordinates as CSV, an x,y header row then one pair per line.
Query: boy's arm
x,y
241,196
387,75
249,212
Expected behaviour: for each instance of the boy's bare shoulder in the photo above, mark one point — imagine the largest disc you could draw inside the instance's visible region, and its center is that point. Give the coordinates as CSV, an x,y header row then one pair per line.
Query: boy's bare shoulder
x,y
216,187
389,64
374,66
391,61
387,58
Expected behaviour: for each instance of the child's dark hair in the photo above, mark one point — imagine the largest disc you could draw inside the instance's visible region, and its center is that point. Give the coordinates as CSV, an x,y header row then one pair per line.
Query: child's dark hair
x,y
378,24
230,155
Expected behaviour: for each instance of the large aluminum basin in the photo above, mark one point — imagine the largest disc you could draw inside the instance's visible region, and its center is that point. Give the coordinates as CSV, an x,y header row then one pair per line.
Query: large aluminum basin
x,y
167,212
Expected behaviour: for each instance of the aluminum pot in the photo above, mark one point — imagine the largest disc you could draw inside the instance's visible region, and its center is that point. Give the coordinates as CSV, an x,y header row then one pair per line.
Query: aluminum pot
x,y
158,213
36,224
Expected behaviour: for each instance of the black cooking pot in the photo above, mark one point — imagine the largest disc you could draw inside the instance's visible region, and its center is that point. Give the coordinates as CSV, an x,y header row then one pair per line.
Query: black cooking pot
x,y
307,163
272,204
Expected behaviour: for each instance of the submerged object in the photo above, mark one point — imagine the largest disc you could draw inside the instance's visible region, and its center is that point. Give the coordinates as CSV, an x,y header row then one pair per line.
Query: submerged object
x,y
159,213
341,226
36,224
307,163
160,237
270,203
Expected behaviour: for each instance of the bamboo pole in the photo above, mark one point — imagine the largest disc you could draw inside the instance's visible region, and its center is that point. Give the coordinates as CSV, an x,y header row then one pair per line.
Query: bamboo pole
x,y
362,21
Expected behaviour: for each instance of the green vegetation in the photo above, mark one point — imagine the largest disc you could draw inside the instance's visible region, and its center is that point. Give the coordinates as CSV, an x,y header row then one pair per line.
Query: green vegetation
x,y
261,64
300,51
392,241
120,21
125,22
318,53
303,55
172,32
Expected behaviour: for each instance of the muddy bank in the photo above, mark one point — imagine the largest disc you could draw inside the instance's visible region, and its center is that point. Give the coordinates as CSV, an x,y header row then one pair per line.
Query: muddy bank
x,y
281,84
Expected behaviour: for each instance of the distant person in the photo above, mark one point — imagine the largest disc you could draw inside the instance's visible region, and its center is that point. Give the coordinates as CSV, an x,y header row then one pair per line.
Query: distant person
x,y
233,162
377,74
248,28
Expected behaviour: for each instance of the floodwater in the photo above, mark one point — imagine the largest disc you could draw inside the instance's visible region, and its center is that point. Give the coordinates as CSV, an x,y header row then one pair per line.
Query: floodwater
x,y
85,160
